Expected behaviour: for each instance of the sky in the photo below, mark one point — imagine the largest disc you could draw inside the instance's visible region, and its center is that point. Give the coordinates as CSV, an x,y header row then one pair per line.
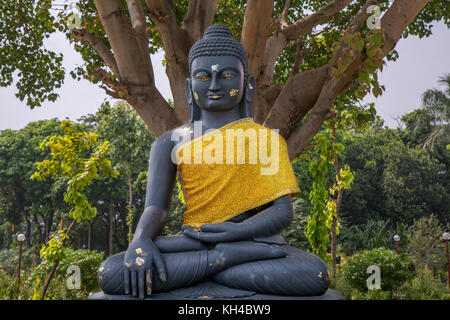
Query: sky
x,y
421,62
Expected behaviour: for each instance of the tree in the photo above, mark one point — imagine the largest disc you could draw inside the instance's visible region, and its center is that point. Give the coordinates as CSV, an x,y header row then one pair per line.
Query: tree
x,y
304,53
23,200
429,127
393,181
130,144
79,158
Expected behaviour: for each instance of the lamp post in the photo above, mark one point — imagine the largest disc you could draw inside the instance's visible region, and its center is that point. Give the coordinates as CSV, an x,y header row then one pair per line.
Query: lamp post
x,y
21,238
396,239
446,237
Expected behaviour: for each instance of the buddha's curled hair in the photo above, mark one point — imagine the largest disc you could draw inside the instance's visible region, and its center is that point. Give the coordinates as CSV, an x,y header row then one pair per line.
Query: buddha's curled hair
x,y
218,41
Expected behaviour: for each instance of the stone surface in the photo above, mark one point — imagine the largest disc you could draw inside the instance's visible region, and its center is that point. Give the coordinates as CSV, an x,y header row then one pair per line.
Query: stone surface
x,y
212,291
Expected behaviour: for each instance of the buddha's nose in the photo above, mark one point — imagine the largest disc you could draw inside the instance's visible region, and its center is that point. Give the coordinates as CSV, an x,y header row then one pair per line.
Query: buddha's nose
x,y
215,85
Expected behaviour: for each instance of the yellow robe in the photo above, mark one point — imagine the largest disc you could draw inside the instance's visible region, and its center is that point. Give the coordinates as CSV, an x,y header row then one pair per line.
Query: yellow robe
x,y
233,169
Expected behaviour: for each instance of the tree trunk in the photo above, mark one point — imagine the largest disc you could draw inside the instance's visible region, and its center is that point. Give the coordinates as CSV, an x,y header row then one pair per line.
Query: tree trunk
x,y
130,206
28,231
39,229
111,227
55,266
89,244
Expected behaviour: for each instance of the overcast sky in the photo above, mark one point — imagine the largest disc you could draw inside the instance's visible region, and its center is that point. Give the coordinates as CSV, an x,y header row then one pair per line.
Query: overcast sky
x,y
421,63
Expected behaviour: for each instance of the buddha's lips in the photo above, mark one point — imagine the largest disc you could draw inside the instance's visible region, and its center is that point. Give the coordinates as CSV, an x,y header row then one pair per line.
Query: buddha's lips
x,y
215,96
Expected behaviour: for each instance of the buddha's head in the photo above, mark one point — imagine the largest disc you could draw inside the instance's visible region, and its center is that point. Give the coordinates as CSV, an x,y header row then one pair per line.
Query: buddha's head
x,y
218,75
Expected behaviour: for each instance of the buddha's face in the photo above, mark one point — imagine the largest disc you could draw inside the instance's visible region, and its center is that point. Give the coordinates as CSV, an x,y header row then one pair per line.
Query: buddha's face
x,y
217,82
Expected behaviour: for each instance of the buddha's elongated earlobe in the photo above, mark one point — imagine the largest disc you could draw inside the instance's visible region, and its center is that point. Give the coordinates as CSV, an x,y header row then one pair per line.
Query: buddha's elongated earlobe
x,y
194,111
248,98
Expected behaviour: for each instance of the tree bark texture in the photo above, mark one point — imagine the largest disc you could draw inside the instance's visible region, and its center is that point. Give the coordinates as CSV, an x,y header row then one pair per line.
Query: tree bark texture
x,y
305,98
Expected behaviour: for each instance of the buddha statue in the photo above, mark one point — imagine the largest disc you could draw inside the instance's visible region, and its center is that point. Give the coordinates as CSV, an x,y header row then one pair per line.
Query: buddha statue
x,y
237,201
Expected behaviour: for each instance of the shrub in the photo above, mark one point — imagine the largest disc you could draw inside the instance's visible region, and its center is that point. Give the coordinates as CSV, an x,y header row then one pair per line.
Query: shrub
x,y
394,270
87,261
9,259
422,287
425,244
375,294
373,234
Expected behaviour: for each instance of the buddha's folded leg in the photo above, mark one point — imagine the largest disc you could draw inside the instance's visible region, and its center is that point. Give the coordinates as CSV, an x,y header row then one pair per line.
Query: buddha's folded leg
x,y
298,274
186,268
179,243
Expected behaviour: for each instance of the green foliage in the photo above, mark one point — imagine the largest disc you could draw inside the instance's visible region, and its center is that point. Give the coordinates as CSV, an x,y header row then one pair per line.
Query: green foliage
x,y
375,294
423,287
393,181
24,26
426,245
69,162
316,230
130,143
373,234
294,234
54,251
20,197
429,127
372,44
9,260
87,261
394,269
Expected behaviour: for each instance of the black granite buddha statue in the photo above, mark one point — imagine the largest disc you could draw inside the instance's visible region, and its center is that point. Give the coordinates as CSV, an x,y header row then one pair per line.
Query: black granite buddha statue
x,y
230,238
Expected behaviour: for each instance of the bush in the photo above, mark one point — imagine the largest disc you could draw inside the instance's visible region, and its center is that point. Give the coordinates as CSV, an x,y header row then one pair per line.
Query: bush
x,y
375,294
9,260
394,270
422,287
373,234
87,261
425,244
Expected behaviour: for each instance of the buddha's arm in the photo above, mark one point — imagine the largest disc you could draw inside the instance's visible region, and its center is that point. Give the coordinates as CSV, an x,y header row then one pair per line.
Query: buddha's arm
x,y
160,182
265,223
271,220
142,254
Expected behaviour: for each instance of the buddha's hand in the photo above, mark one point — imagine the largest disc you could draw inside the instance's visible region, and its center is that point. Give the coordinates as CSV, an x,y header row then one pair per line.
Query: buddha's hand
x,y
218,232
140,257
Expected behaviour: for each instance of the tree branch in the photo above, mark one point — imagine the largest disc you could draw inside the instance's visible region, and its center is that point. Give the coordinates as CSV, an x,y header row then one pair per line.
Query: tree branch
x,y
305,25
295,99
276,43
300,53
176,43
138,87
199,16
397,18
255,33
124,45
394,22
99,46
139,26
362,16
284,13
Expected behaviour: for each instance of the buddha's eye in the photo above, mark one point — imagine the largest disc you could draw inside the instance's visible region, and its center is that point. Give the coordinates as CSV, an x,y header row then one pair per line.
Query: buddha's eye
x,y
228,76
202,77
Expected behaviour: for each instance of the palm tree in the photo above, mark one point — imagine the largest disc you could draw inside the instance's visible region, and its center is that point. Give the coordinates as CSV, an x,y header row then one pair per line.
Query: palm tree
x,y
430,125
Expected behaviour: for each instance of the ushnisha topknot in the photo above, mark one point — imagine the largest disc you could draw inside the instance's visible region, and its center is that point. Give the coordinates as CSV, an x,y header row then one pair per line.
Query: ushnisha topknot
x,y
218,41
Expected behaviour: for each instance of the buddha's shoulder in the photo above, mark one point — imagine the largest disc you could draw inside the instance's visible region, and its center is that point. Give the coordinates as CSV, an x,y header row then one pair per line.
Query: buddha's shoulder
x,y
171,137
